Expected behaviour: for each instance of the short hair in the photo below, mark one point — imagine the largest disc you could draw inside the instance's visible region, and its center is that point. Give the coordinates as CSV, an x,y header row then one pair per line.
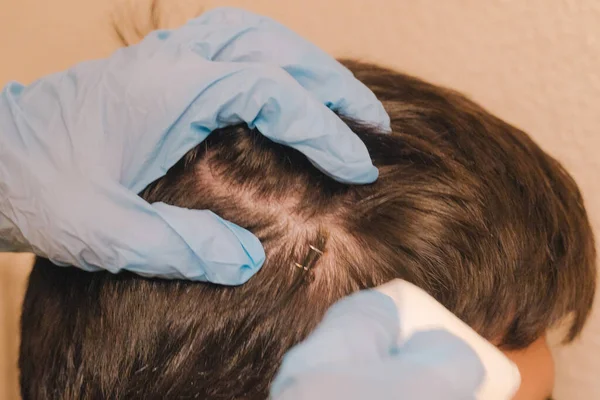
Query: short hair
x,y
467,207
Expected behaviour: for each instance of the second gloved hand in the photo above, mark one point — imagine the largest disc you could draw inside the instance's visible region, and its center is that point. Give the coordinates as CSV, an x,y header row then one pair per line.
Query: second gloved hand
x,y
394,342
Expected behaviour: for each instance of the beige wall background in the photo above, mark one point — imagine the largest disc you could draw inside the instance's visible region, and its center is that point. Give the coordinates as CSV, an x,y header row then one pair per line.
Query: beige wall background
x,y
535,63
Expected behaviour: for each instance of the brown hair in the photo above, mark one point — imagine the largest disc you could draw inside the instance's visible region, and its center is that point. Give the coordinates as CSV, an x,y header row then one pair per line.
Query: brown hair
x,y
467,207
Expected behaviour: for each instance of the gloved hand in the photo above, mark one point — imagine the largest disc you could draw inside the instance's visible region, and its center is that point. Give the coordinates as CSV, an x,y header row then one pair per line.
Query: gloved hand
x,y
394,342
77,146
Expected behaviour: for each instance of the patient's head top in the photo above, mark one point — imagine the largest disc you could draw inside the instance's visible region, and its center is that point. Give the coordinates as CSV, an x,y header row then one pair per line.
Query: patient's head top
x,y
466,207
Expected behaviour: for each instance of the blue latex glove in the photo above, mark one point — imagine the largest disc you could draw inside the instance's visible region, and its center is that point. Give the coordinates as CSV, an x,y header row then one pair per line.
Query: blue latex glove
x,y
76,146
395,342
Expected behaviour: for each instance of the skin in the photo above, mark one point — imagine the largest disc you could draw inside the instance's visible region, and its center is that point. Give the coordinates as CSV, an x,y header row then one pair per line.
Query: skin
x,y
536,366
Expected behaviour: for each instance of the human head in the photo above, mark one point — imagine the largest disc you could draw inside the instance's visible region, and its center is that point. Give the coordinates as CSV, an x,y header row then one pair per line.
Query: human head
x,y
467,207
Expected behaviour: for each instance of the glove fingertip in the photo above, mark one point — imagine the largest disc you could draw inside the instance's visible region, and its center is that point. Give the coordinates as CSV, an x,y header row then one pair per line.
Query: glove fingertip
x,y
226,253
356,176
